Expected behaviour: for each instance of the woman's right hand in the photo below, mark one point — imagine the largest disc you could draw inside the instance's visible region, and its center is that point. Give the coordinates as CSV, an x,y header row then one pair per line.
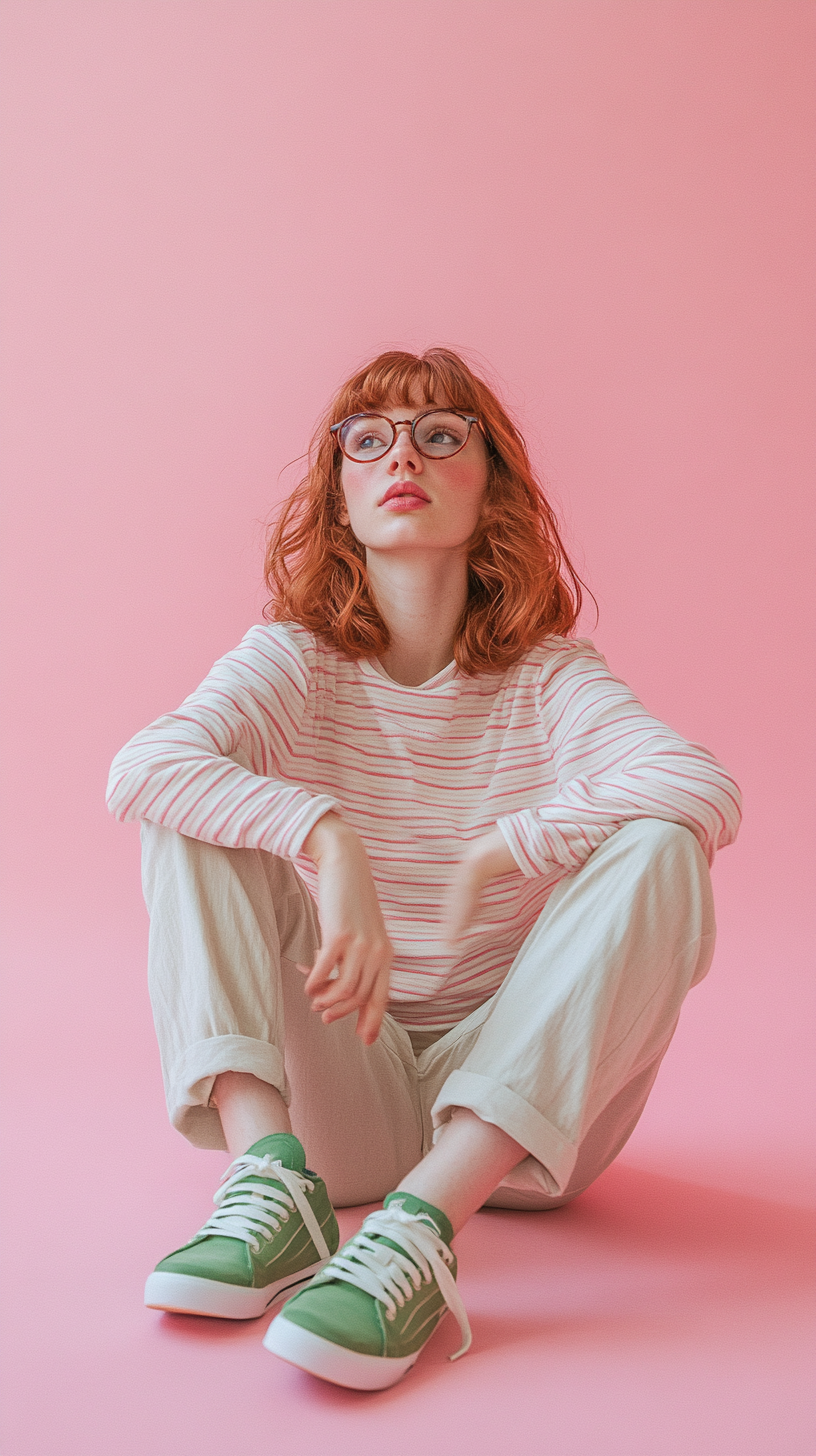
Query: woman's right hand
x,y
352,969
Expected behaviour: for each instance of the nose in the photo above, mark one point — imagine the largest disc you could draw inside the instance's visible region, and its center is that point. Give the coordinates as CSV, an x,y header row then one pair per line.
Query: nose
x,y
403,454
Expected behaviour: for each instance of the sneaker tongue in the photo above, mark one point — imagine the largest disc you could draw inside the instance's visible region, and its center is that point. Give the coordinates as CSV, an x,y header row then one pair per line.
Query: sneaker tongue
x,y
410,1204
282,1146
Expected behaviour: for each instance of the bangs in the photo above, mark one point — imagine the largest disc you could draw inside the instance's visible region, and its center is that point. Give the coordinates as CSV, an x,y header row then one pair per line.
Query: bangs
x,y
400,378
521,583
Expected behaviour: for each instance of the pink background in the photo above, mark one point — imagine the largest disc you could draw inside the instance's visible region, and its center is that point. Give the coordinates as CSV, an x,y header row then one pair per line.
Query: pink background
x,y
217,208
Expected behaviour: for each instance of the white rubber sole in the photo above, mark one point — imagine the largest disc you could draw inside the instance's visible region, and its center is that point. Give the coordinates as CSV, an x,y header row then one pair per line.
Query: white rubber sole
x,y
333,1362
188,1294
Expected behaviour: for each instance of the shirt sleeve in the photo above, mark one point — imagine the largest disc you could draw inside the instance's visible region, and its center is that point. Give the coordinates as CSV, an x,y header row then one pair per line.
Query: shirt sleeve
x,y
209,769
613,763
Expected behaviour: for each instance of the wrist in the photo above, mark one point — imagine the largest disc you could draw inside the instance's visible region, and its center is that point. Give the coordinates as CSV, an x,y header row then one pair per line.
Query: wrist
x,y
489,856
329,835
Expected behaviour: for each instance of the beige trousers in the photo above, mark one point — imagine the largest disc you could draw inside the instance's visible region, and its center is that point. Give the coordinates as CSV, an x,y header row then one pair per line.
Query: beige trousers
x,y
562,1057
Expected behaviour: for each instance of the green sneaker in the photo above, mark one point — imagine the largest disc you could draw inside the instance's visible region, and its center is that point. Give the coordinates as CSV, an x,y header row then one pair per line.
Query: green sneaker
x,y
365,1319
274,1228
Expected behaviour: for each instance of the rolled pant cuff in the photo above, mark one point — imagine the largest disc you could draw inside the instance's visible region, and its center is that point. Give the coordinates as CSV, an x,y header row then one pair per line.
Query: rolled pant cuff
x,y
190,1087
493,1102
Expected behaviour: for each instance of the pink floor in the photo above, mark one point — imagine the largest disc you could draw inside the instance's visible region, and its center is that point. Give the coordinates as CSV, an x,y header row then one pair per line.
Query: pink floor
x,y
651,1318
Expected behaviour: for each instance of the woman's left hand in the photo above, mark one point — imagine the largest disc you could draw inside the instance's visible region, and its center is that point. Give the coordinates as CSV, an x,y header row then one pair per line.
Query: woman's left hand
x,y
482,861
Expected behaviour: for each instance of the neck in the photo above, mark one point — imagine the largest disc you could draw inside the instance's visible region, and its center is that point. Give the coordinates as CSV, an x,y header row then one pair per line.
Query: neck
x,y
421,598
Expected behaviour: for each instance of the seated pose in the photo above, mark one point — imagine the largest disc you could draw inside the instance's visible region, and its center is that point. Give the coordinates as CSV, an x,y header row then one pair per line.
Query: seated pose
x,y
416,799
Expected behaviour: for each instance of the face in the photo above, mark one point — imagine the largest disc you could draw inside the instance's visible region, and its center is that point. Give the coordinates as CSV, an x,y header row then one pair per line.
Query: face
x,y
407,502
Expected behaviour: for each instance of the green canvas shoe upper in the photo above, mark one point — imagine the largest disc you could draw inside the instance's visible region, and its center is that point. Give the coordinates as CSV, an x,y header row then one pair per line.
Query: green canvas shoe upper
x,y
274,1218
389,1286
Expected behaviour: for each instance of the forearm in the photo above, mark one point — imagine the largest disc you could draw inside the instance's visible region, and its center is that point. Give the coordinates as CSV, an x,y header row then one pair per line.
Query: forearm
x,y
208,770
351,972
682,784
210,797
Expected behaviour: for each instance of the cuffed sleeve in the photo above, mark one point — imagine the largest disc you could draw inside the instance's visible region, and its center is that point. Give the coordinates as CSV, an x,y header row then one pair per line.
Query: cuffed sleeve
x,y
613,763
209,769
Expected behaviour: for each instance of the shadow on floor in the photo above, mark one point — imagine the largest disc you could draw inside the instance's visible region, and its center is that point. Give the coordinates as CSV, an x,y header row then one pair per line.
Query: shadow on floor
x,y
639,1254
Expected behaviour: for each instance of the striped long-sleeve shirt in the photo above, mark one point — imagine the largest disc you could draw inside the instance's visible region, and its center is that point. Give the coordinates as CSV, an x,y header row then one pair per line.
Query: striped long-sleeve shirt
x,y
555,750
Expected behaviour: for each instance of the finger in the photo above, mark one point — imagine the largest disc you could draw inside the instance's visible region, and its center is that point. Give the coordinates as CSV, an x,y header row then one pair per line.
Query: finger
x,y
307,970
372,984
459,912
330,958
338,967
343,987
370,974
336,993
369,1022
370,1002
336,1013
372,1012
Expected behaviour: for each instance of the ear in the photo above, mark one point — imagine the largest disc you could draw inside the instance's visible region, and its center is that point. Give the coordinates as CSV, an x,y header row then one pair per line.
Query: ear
x,y
343,516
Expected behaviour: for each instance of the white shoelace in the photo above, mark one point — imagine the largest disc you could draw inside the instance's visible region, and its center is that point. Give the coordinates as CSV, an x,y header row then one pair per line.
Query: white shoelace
x,y
391,1277
250,1209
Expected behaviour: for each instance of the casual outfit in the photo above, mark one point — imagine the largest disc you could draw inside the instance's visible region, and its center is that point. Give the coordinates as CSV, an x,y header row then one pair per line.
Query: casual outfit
x,y
551,1016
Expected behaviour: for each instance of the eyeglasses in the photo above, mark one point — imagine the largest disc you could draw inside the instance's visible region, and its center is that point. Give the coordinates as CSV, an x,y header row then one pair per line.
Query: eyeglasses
x,y
436,434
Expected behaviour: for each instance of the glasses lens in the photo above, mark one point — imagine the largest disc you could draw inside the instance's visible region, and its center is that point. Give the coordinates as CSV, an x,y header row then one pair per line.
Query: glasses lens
x,y
441,433
367,437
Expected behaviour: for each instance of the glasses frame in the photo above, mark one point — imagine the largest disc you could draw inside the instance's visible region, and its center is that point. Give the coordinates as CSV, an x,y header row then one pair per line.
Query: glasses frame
x,y
373,415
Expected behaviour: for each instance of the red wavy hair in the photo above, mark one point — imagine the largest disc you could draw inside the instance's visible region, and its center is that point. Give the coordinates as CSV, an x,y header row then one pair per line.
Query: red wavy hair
x,y
522,585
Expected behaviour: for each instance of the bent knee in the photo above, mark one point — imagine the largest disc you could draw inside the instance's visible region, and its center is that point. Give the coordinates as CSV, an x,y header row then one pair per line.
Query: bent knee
x,y
660,835
660,843
160,842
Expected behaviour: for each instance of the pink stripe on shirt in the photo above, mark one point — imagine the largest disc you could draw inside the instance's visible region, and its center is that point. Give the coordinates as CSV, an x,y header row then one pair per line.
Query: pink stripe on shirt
x,y
555,750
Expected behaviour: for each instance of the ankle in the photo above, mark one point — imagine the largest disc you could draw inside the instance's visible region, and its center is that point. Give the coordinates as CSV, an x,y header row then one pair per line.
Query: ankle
x,y
463,1167
249,1110
409,1203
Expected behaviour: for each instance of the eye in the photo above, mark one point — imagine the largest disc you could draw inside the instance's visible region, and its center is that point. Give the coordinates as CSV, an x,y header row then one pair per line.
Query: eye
x,y
442,433
367,436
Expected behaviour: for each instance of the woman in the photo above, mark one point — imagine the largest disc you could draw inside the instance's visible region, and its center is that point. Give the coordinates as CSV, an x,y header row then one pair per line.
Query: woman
x,y
414,797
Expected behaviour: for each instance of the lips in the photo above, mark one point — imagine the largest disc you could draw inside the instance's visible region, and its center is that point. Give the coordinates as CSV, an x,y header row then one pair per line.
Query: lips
x,y
404,487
